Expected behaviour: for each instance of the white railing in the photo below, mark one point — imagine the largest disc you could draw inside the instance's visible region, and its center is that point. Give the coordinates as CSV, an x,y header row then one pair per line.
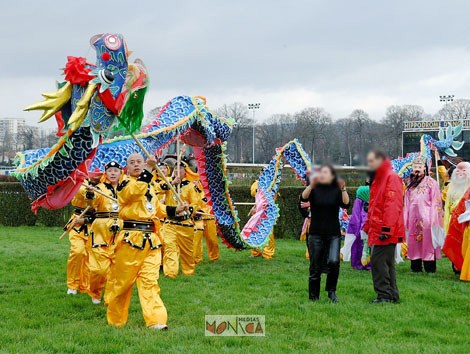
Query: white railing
x,y
262,165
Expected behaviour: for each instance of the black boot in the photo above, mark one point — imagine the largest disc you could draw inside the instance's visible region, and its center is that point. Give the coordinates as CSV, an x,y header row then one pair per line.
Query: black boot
x,y
417,266
381,301
314,289
429,266
333,297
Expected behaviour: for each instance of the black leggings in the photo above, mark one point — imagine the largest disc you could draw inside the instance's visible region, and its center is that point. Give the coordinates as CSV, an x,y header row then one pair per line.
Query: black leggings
x,y
324,258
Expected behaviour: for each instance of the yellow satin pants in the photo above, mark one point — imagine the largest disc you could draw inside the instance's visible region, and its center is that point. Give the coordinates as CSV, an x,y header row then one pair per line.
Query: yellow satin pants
x,y
178,243
100,249
77,268
99,262
197,242
268,251
206,228
132,265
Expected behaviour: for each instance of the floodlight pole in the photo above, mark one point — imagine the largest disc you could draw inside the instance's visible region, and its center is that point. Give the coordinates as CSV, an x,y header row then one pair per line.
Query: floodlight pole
x,y
446,99
254,107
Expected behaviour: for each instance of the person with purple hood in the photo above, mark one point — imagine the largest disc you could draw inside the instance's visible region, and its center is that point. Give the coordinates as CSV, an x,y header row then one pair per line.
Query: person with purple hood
x,y
354,247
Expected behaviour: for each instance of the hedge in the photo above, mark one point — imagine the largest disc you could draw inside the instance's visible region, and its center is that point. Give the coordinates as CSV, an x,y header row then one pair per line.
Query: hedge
x,y
15,209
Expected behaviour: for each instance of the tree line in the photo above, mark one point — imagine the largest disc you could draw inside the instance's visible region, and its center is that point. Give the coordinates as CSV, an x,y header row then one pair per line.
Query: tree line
x,y
342,141
26,138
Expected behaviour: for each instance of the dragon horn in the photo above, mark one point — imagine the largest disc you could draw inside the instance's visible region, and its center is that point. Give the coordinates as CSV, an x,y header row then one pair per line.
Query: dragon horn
x,y
81,109
53,102
457,130
449,131
450,152
457,145
441,135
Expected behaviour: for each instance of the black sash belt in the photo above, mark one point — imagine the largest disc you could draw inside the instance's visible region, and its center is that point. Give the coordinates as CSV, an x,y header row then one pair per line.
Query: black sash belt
x,y
138,225
178,223
179,218
106,215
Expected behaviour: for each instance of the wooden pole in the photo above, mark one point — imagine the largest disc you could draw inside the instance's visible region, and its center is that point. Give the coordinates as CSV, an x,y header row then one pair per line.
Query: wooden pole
x,y
437,168
178,162
202,213
71,223
96,190
159,171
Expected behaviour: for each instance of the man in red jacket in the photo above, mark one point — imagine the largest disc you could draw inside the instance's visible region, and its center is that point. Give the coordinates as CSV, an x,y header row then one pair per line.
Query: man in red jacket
x,y
384,225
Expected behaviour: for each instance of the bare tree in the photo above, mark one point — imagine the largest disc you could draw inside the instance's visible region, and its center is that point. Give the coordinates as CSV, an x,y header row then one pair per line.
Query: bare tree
x,y
360,123
28,137
456,110
273,133
238,146
393,122
345,130
6,144
49,139
311,129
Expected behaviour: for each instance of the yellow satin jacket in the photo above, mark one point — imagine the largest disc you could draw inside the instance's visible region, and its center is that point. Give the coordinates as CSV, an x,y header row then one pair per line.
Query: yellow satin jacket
x,y
134,198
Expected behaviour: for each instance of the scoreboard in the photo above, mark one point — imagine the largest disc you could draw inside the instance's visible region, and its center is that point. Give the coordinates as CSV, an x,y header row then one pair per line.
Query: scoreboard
x,y
413,131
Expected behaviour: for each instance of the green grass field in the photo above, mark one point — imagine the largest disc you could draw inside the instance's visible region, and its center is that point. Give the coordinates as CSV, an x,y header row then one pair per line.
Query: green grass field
x,y
37,317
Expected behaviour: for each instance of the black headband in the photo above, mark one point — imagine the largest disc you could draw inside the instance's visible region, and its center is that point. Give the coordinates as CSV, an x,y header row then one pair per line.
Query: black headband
x,y
112,164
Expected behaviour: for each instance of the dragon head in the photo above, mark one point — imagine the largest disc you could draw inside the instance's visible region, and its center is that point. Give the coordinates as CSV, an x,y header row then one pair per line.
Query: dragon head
x,y
111,62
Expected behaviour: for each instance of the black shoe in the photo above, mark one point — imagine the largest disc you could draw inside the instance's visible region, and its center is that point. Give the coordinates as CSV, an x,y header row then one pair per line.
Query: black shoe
x,y
381,301
333,297
314,289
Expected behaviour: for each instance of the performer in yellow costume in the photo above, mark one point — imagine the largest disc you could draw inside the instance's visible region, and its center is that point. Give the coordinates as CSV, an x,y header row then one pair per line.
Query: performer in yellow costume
x,y
205,226
444,174
77,272
100,244
137,254
161,188
178,231
270,249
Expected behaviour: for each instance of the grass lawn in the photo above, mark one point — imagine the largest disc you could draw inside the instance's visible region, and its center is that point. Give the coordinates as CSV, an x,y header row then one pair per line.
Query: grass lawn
x,y
37,317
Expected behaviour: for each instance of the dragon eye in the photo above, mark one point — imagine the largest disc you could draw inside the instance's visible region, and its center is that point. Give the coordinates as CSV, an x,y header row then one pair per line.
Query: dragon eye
x,y
112,42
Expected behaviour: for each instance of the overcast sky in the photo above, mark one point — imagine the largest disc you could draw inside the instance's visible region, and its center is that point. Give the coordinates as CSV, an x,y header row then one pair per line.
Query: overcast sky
x,y
287,55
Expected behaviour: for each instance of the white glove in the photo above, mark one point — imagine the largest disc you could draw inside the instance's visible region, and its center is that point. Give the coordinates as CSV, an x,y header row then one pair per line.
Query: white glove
x,y
466,215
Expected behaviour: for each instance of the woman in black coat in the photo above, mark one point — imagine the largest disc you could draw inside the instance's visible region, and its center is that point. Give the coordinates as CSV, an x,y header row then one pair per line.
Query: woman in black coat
x,y
326,195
